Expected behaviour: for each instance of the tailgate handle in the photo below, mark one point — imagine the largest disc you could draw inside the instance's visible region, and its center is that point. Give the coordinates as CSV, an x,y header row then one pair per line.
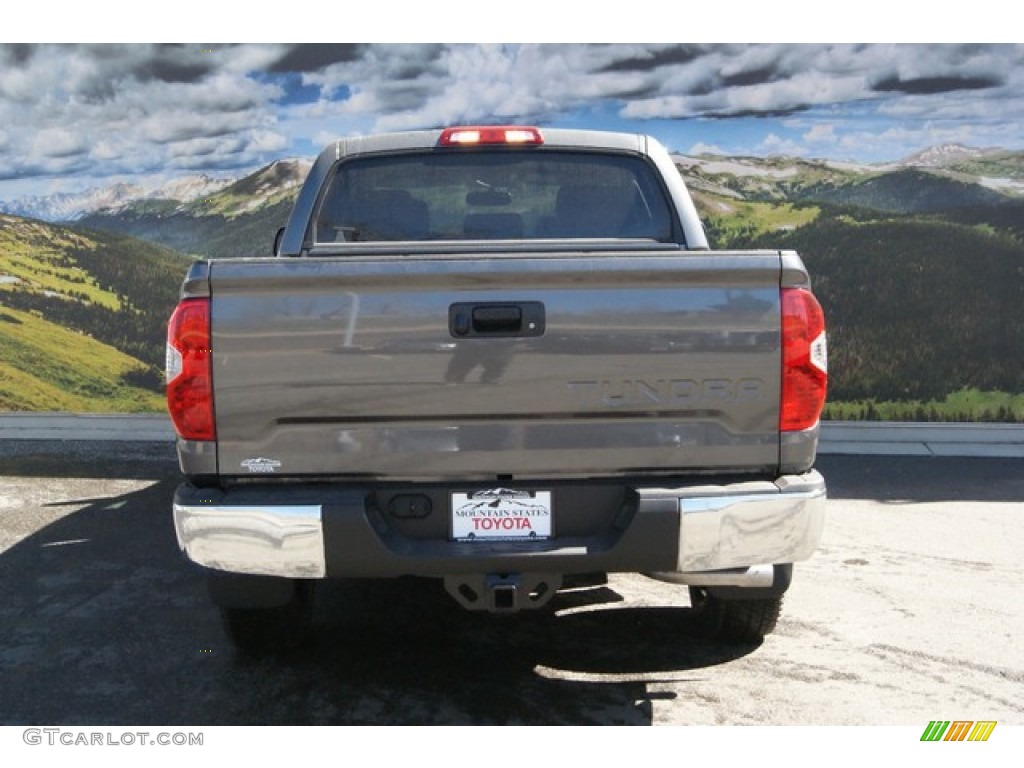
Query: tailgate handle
x,y
518,319
501,319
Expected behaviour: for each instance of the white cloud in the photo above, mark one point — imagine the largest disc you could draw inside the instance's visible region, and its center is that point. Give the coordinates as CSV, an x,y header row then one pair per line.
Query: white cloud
x,y
134,108
821,133
267,141
57,143
106,150
775,145
106,110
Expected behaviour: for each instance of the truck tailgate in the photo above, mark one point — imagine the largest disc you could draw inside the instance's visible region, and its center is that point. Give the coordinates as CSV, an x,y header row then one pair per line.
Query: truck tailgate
x,y
497,366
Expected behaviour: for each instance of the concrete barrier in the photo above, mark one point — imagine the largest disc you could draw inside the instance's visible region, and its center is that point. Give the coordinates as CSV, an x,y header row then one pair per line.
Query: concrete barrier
x,y
86,426
918,439
837,437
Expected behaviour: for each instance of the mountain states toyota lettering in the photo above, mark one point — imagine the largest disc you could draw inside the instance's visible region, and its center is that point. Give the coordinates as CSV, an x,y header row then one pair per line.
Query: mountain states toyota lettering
x,y
261,465
501,511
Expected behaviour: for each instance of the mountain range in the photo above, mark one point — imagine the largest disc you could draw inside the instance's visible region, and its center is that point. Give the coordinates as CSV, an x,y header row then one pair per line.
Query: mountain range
x,y
71,206
919,265
954,175
939,178
238,219
217,218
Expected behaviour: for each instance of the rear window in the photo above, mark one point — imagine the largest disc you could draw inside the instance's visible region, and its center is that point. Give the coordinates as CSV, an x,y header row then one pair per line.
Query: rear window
x,y
481,195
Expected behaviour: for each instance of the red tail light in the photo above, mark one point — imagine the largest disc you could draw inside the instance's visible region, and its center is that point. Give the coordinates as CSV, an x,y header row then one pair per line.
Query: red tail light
x,y
804,360
189,380
474,135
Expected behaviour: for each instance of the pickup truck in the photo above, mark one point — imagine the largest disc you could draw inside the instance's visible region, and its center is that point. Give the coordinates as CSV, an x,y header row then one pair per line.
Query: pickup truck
x,y
503,357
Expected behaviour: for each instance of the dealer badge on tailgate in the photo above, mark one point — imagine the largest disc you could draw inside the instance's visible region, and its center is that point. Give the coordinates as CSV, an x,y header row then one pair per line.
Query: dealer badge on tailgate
x,y
501,513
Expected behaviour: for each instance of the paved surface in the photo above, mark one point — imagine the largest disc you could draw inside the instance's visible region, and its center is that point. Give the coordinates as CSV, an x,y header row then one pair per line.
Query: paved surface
x,y
910,611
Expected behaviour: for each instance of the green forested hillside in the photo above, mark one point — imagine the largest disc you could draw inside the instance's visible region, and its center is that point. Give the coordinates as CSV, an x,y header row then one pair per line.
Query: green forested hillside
x,y
917,309
205,232
905,191
921,309
82,318
237,221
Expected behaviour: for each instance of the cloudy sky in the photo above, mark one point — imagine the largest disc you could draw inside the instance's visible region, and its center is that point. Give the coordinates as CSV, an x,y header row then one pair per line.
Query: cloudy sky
x,y
74,116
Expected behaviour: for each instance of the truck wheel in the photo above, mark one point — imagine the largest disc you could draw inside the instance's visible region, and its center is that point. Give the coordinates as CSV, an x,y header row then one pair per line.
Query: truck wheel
x,y
272,630
736,621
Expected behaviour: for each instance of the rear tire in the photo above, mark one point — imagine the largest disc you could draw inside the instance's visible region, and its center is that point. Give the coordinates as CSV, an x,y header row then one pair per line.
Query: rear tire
x,y
736,621
281,628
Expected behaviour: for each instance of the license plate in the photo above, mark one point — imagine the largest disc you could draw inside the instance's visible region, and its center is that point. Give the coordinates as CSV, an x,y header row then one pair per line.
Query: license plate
x,y
500,513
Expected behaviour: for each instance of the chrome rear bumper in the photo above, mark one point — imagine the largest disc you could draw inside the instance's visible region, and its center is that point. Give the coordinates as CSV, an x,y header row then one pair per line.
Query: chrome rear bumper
x,y
709,534
743,524
280,540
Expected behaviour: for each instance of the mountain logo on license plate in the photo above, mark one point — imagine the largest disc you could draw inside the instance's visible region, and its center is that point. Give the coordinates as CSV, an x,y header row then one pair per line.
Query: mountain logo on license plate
x,y
501,513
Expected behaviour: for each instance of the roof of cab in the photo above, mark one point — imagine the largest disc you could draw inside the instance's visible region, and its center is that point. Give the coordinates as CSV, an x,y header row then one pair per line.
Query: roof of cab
x,y
553,137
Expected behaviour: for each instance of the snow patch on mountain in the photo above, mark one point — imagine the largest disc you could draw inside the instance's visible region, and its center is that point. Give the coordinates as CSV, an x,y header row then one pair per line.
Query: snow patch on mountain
x,y
1007,186
69,206
279,176
943,155
733,167
188,188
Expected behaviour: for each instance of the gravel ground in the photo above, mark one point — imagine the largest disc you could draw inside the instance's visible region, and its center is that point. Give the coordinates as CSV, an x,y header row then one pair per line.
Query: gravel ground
x,y
909,612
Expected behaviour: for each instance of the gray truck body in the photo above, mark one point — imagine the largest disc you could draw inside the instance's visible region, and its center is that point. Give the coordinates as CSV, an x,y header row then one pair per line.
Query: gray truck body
x,y
359,388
